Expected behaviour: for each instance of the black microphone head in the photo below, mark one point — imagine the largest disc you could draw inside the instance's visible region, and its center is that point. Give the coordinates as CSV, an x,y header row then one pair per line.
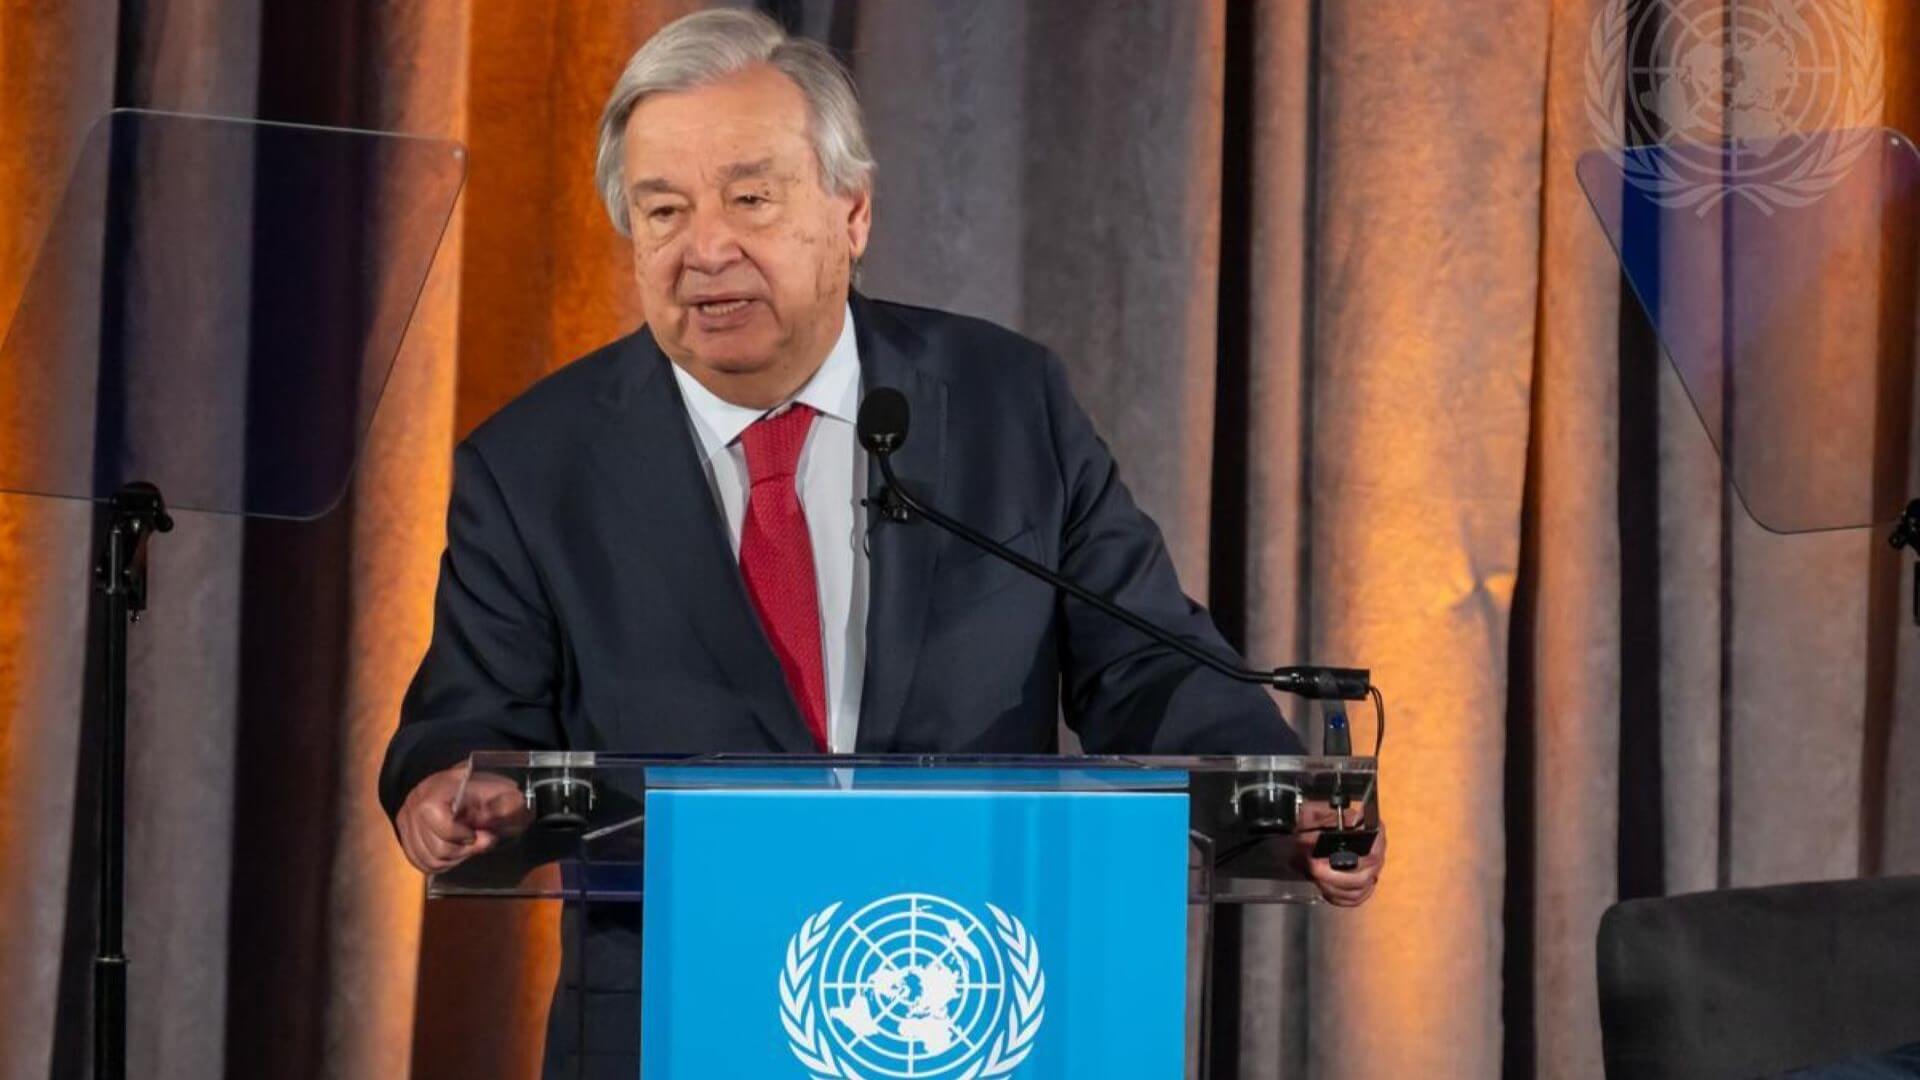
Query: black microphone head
x,y
883,421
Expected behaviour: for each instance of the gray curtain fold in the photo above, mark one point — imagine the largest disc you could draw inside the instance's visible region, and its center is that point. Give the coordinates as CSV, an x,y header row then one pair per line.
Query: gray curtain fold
x,y
1030,175
184,667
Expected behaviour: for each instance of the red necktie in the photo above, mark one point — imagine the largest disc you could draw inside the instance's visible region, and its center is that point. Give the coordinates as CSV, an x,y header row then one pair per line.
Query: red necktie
x,y
776,559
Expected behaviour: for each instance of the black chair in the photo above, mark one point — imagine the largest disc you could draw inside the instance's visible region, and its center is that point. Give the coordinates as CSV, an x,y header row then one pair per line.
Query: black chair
x,y
1754,982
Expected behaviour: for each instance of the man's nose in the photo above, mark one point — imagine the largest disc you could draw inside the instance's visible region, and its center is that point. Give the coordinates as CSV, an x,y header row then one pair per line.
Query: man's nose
x,y
712,244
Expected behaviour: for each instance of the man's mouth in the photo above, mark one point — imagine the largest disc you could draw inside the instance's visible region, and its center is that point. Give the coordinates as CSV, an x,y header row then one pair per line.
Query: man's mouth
x,y
717,308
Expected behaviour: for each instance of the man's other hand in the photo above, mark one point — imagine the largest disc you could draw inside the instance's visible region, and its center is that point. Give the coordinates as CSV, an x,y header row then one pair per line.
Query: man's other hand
x,y
436,836
1341,888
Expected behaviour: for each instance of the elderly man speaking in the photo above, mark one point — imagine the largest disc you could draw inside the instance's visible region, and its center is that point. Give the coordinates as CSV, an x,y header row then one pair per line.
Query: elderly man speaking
x,y
662,547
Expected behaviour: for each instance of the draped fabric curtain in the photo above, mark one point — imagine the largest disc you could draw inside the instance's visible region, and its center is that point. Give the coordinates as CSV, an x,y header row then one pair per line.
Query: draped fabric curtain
x,y
1322,274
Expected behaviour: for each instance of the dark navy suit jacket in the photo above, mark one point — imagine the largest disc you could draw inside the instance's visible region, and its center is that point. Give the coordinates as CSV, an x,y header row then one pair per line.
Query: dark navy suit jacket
x,y
589,598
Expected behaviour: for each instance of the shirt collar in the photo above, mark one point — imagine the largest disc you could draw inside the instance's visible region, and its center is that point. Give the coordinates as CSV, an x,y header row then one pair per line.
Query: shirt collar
x,y
834,391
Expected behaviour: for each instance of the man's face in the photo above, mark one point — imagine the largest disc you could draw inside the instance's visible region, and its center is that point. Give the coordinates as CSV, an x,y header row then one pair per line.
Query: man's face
x,y
742,256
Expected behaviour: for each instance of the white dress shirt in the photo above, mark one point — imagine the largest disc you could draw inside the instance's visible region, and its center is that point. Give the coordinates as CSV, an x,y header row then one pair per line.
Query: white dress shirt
x,y
831,479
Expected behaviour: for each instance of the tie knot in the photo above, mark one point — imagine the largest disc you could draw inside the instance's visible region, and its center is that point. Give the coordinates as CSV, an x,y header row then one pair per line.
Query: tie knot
x,y
773,444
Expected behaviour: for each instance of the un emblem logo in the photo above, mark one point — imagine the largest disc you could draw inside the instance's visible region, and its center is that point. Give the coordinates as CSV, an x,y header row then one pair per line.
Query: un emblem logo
x,y
1772,101
911,986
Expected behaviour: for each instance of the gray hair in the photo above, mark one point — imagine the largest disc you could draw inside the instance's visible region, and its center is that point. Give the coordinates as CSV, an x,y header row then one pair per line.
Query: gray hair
x,y
708,46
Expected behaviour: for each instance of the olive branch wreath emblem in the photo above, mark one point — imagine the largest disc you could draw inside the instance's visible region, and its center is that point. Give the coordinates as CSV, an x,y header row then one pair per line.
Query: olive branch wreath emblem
x,y
807,1028
1812,175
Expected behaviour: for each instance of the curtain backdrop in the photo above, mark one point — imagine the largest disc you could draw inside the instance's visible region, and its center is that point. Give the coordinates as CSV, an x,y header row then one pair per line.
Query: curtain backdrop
x,y
1322,275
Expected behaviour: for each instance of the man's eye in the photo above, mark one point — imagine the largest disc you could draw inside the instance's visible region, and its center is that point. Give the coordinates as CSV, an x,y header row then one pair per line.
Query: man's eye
x,y
752,200
662,213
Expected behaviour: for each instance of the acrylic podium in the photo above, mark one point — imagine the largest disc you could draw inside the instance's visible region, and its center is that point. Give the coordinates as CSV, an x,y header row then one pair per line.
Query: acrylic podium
x,y
858,917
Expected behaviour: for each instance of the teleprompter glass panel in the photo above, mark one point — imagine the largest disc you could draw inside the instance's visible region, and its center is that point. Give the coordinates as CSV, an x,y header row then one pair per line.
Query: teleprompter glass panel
x,y
215,309
1779,275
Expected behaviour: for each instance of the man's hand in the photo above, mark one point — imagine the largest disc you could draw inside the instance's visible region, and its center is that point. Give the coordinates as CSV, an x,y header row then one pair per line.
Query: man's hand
x,y
436,837
1341,888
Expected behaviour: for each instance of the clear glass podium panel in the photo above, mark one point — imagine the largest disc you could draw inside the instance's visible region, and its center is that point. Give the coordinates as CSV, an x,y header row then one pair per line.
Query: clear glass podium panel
x,y
1779,275
571,825
215,309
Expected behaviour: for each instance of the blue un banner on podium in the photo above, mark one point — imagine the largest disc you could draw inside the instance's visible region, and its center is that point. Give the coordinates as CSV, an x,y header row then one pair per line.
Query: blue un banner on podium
x,y
860,935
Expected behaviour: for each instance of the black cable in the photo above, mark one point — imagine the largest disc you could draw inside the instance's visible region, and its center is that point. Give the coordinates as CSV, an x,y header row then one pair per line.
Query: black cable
x,y
1379,719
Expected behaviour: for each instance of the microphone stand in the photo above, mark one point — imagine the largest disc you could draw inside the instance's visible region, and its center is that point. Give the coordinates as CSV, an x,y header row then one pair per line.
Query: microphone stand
x,y
134,514
1268,807
895,503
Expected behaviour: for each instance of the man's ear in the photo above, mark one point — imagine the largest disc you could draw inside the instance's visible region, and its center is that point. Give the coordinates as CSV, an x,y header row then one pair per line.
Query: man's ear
x,y
859,222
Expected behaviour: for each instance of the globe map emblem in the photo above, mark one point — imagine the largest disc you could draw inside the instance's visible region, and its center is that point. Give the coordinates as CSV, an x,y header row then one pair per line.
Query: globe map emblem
x,y
1769,100
1745,73
912,986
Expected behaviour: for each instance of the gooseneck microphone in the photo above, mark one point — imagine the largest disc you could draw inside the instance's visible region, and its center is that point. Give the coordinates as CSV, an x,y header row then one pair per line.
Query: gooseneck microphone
x,y
882,426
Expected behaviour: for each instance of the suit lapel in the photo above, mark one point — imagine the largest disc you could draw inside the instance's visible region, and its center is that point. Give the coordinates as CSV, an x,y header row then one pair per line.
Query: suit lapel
x,y
901,555
646,457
